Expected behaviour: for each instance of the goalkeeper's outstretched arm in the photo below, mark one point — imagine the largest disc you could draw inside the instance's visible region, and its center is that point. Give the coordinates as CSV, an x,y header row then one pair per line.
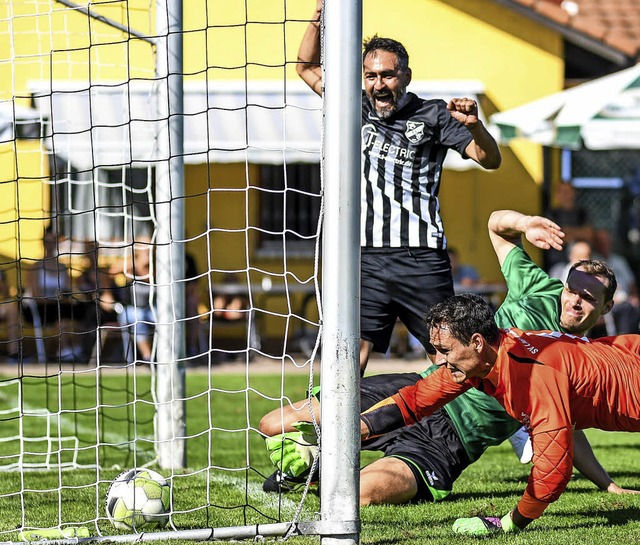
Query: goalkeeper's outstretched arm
x,y
411,404
383,417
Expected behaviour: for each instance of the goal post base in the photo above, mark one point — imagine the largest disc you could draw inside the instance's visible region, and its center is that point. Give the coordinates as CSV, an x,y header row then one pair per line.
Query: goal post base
x,y
252,531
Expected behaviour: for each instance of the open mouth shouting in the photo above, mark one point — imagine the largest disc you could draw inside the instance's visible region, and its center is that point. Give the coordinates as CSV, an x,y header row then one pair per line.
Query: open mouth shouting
x,y
384,103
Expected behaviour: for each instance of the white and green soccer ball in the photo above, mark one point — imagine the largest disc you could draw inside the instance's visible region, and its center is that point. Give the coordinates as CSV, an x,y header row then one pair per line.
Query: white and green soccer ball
x,y
138,499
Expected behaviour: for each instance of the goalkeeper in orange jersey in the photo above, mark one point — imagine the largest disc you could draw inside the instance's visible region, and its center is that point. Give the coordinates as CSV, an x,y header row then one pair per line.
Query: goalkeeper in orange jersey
x,y
551,382
422,462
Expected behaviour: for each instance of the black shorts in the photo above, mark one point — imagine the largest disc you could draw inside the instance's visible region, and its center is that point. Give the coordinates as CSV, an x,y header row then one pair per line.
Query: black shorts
x,y
401,283
431,448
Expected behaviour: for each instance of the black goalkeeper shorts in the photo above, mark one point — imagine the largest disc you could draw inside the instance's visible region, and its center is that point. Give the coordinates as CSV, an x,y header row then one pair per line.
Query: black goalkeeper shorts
x,y
401,283
431,448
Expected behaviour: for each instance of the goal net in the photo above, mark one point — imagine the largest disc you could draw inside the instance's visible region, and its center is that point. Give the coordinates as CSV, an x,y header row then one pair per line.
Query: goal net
x,y
159,253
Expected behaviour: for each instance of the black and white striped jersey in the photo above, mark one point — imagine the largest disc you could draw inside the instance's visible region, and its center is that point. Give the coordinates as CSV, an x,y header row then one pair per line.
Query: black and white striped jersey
x,y
401,170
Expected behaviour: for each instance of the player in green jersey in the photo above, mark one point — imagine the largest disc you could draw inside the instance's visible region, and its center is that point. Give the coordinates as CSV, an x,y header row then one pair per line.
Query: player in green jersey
x,y
421,462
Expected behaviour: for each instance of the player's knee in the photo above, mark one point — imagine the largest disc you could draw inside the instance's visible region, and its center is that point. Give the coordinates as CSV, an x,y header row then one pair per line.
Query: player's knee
x,y
365,499
370,492
281,420
278,421
379,494
387,481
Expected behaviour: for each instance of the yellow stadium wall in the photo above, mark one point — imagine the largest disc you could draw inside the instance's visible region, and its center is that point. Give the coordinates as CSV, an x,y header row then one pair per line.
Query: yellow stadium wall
x,y
59,44
24,201
517,60
44,31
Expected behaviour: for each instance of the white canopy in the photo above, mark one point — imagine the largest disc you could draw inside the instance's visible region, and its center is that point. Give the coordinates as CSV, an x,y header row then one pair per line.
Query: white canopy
x,y
268,122
16,120
600,114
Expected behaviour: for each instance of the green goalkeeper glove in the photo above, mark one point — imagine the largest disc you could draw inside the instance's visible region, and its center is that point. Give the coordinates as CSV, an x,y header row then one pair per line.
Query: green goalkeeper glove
x,y
293,452
54,533
484,526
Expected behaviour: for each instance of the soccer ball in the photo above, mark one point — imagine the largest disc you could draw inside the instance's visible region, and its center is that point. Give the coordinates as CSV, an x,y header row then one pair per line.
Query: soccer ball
x,y
137,499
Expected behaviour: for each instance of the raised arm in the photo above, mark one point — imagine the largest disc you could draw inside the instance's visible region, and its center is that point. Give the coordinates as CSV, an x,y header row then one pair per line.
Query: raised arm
x,y
506,228
483,149
308,67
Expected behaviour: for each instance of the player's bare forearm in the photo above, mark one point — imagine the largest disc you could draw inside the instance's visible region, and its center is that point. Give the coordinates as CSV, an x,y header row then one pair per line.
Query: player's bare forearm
x,y
507,226
505,231
308,67
585,461
484,149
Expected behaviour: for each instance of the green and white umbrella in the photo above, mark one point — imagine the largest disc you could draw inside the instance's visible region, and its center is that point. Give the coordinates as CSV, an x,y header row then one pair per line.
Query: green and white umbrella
x,y
600,114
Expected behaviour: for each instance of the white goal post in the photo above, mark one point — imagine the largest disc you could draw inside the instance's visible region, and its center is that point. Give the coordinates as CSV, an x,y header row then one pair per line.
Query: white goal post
x,y
174,202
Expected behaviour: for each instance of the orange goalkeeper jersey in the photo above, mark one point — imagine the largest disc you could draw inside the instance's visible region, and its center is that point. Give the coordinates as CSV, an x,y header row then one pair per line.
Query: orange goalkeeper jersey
x,y
551,382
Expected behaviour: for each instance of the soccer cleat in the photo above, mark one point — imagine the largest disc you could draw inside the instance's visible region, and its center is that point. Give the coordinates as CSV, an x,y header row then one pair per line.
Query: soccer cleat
x,y
485,526
477,526
281,483
521,443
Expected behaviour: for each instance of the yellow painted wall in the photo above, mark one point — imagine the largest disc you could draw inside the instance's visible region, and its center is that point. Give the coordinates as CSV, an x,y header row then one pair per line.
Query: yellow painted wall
x,y
256,39
22,173
516,59
43,40
55,42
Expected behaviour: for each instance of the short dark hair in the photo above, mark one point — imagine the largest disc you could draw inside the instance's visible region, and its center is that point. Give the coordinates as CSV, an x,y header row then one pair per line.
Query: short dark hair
x,y
594,267
464,315
387,44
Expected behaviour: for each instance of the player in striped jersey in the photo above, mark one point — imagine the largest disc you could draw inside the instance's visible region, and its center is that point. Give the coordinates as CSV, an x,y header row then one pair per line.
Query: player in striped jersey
x,y
405,267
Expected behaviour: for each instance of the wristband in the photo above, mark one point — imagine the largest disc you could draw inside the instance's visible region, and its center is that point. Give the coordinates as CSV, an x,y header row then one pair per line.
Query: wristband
x,y
382,418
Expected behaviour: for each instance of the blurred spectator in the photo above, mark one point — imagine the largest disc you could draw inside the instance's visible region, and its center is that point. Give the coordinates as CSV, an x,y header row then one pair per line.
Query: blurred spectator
x,y
139,313
49,277
9,314
573,220
626,310
463,275
229,306
98,286
103,285
192,302
577,251
603,246
49,285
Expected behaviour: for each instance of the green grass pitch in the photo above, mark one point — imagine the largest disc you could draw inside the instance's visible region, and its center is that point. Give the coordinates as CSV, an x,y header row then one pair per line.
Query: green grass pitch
x,y
222,452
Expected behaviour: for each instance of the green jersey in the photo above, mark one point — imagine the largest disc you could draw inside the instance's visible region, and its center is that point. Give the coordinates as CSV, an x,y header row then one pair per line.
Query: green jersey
x,y
533,299
532,302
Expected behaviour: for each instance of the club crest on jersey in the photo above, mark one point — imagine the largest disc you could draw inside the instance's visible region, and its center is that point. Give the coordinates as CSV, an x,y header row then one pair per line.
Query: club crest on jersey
x,y
415,131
